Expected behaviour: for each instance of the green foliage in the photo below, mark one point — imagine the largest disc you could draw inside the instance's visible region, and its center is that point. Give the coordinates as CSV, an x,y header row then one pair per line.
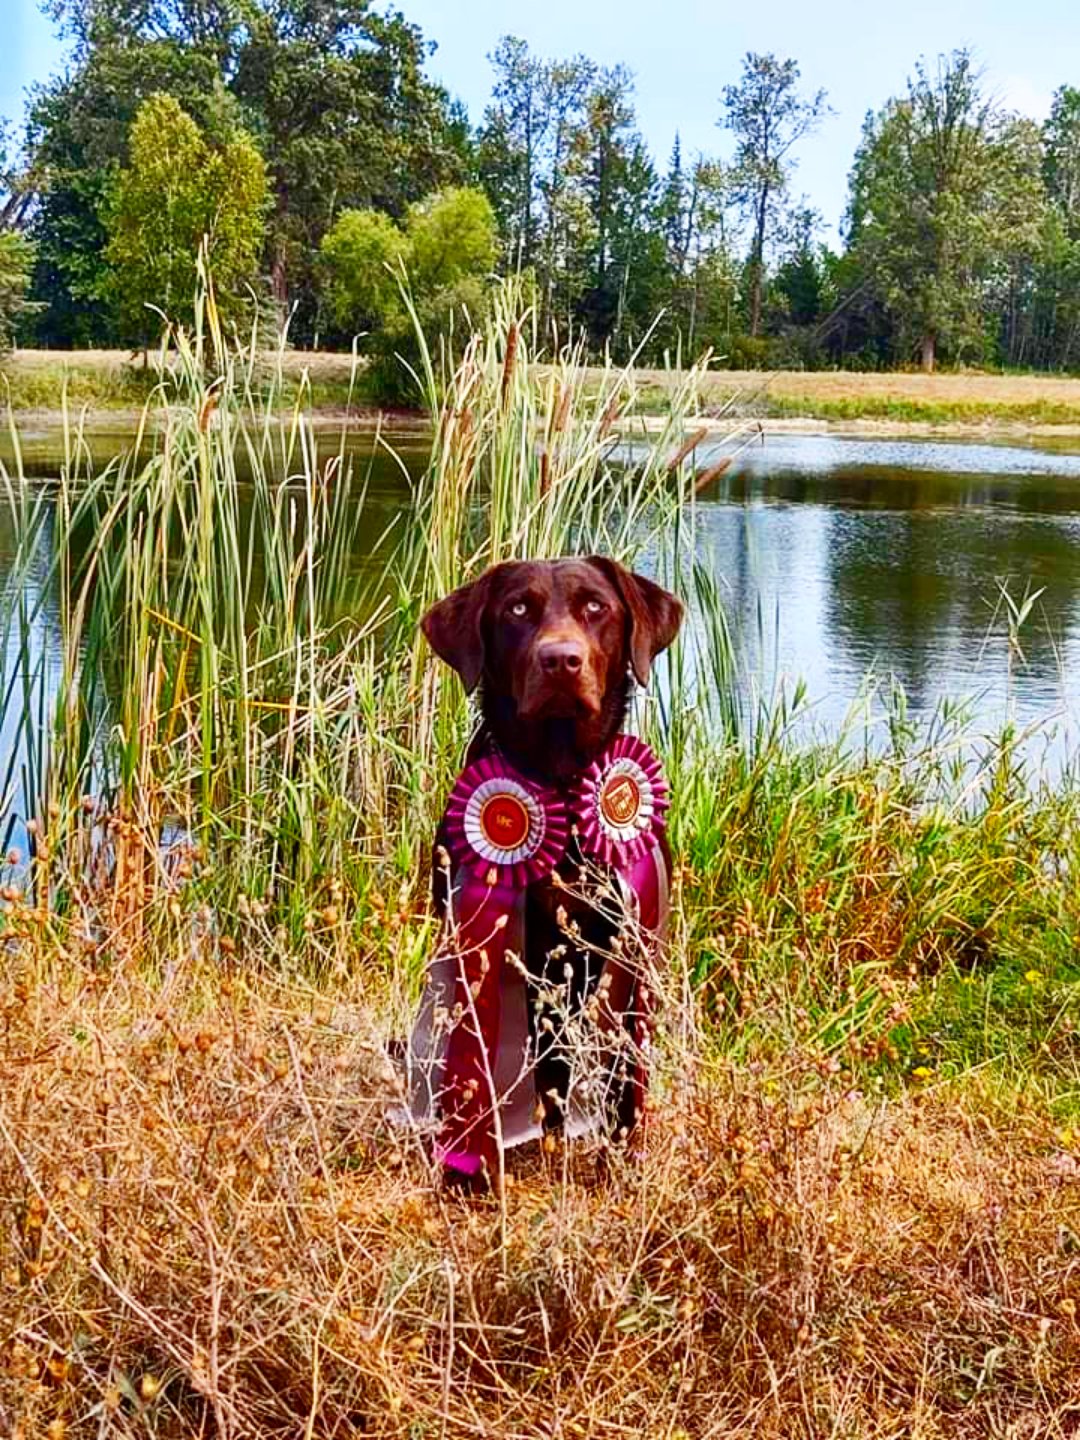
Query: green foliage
x,y
177,195
509,152
16,258
943,189
333,93
346,118
15,251
1061,136
802,279
452,237
1043,311
841,886
576,195
362,256
444,256
77,137
71,276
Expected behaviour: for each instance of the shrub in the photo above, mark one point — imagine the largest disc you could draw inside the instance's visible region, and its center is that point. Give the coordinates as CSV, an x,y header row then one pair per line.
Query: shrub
x,y
16,259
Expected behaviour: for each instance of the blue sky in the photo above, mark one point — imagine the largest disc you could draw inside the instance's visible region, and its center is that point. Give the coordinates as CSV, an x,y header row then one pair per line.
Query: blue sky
x,y
683,52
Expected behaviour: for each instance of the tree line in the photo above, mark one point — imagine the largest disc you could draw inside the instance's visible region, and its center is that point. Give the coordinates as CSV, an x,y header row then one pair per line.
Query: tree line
x,y
304,146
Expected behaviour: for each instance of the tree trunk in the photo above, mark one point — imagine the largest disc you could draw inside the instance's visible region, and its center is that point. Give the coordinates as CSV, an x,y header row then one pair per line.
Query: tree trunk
x,y
279,280
278,283
929,343
757,261
755,297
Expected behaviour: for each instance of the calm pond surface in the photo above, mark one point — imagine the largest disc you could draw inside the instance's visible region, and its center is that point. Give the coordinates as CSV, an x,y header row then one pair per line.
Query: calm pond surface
x,y
839,557
845,556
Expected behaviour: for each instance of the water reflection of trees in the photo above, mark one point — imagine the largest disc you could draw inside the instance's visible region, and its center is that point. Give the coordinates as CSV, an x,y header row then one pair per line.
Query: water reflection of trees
x,y
880,487
916,591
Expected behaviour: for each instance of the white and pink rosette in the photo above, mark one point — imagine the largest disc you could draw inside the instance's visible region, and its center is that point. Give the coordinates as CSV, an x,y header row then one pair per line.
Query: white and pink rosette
x,y
620,801
503,829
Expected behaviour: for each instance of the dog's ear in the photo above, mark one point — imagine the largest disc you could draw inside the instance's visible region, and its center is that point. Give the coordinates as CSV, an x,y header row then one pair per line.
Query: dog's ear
x,y
454,629
655,614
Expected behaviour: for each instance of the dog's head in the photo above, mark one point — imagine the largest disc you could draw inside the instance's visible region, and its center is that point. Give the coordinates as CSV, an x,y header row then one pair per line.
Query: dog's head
x,y
552,643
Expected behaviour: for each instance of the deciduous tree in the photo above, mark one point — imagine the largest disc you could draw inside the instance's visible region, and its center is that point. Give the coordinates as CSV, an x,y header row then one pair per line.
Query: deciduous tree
x,y
445,254
937,182
1061,137
510,145
452,235
16,256
177,194
768,118
363,258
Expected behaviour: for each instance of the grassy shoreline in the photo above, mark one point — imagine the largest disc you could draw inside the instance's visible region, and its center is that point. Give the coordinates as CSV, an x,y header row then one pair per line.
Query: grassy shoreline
x,y
858,1205
112,385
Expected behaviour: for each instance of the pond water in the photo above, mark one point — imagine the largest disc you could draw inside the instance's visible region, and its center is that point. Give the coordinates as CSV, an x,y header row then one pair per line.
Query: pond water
x,y
840,557
846,556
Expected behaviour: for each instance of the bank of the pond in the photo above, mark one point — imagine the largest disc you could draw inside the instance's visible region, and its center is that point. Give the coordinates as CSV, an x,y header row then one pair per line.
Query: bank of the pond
x,y
896,398
112,385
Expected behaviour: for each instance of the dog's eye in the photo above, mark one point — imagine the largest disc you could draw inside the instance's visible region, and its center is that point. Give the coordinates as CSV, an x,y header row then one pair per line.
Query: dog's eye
x,y
519,609
594,607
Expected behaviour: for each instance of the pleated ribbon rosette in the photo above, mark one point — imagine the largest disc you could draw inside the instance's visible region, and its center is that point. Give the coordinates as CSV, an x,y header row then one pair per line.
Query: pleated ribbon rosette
x,y
620,802
503,829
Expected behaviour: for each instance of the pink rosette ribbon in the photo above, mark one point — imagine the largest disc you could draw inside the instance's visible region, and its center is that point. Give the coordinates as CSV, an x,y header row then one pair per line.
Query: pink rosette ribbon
x,y
619,804
504,833
498,822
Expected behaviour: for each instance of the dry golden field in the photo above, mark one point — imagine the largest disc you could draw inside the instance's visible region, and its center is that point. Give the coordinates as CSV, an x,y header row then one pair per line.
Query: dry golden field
x,y
108,379
914,387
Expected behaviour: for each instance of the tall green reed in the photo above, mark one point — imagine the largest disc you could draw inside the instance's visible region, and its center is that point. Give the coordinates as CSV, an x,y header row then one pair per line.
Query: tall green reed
x,y
191,649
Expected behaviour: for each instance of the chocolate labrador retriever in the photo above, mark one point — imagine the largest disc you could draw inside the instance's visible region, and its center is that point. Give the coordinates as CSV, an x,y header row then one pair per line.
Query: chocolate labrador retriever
x,y
555,647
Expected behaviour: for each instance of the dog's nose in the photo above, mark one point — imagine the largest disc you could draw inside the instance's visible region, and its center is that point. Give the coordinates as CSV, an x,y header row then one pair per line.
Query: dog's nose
x,y
561,657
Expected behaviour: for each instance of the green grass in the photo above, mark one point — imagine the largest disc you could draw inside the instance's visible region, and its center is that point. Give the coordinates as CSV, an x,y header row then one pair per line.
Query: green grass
x,y
913,919
928,412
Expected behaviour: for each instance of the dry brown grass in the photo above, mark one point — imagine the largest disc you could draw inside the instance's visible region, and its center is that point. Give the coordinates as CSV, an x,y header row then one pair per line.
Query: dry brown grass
x,y
939,388
899,401
209,1227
